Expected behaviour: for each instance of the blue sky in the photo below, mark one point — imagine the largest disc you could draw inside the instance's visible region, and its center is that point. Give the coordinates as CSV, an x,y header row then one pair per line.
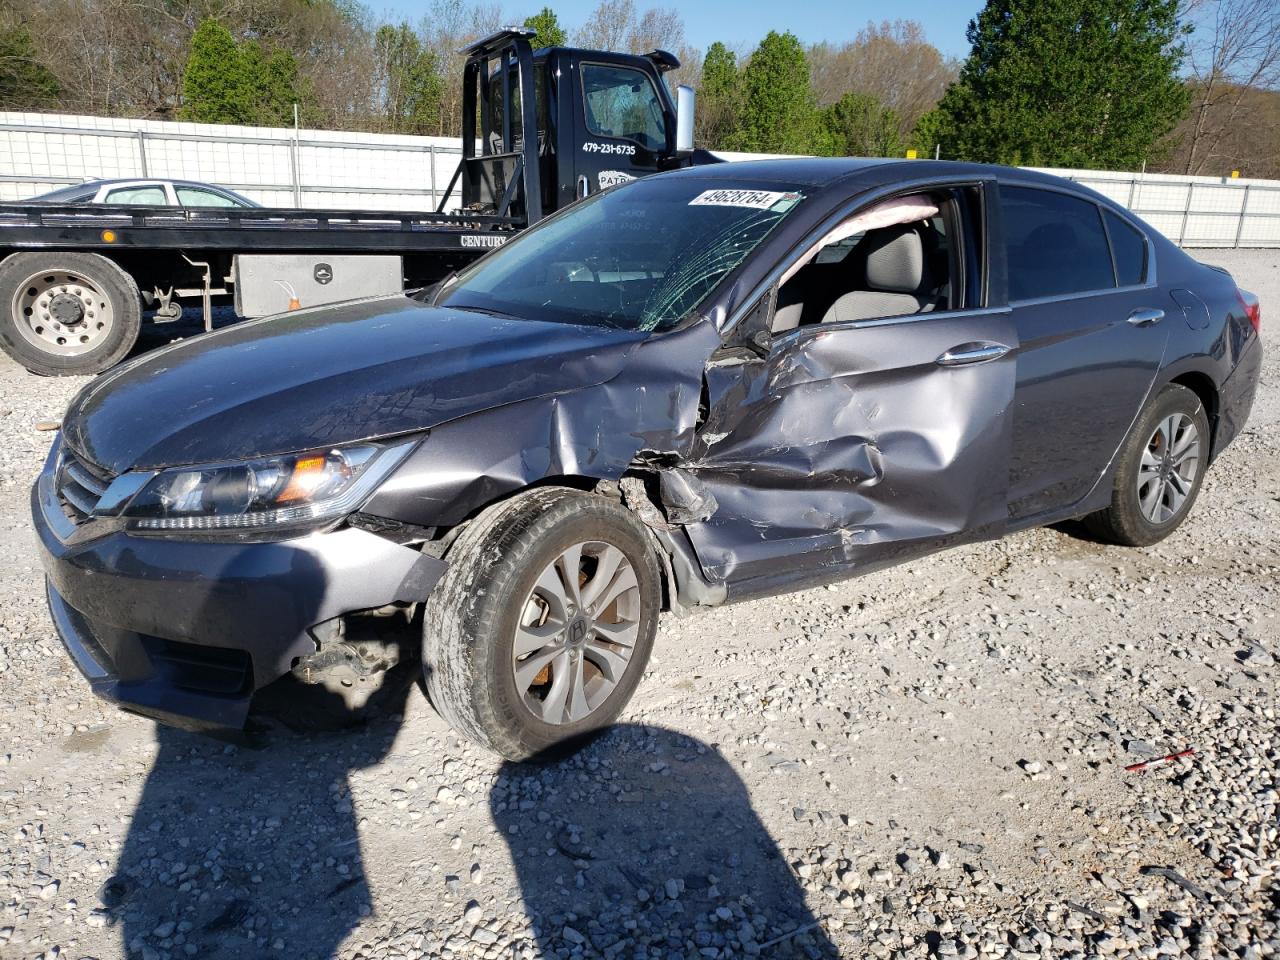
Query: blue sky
x,y
744,22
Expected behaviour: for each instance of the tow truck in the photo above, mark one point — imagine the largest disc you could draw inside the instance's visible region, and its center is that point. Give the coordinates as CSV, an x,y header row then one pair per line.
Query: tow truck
x,y
74,280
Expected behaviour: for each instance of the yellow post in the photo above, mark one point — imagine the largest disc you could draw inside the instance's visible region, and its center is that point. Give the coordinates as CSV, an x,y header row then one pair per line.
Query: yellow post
x,y
911,154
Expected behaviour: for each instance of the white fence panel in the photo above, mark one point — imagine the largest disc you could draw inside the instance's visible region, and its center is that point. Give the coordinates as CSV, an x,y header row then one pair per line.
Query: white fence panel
x,y
283,167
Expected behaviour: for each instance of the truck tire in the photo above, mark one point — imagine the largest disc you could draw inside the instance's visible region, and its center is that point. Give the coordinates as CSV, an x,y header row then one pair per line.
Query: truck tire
x,y
67,314
540,630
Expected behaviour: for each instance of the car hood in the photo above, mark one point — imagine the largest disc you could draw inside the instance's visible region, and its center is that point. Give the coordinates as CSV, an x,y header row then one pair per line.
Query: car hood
x,y
313,378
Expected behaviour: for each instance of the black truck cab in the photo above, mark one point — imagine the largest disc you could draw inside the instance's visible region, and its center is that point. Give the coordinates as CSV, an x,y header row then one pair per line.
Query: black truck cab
x,y
601,118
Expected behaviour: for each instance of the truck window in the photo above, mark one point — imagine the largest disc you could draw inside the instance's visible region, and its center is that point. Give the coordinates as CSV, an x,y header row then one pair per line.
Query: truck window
x,y
622,102
140,196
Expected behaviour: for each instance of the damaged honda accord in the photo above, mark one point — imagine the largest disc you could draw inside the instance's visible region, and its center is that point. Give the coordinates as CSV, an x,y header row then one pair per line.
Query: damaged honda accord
x,y
706,386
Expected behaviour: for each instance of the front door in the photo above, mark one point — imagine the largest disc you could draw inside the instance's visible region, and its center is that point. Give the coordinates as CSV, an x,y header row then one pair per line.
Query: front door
x,y
856,445
622,128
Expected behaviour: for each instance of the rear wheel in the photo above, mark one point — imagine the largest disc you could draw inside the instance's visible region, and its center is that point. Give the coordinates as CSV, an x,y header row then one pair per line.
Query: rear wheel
x,y
67,314
1161,470
541,629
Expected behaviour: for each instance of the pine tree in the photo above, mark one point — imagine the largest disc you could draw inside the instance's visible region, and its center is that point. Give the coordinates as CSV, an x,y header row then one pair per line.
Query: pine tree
x,y
719,96
779,113
1073,83
219,85
24,81
547,29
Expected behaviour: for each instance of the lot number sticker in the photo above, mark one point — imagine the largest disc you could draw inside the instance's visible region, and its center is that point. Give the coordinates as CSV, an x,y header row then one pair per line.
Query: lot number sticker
x,y
755,199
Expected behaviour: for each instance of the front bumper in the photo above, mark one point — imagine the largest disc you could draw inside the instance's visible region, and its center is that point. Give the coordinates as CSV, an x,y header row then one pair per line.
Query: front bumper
x,y
186,631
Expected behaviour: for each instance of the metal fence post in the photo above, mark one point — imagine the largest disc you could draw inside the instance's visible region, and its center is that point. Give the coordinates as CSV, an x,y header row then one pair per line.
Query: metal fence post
x,y
142,152
1186,212
1133,185
432,161
295,162
1244,209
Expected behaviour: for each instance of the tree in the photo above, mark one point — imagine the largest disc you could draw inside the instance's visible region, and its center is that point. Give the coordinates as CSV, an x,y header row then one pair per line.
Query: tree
x,y
1234,60
779,113
24,81
858,125
719,97
547,29
891,62
1074,83
230,82
409,81
219,85
926,137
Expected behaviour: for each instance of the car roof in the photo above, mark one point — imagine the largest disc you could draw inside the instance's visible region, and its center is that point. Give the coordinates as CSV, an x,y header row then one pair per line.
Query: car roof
x,y
76,189
823,172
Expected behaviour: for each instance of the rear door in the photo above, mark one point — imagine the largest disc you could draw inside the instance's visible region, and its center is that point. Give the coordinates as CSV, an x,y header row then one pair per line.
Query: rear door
x,y
621,125
854,444
1092,332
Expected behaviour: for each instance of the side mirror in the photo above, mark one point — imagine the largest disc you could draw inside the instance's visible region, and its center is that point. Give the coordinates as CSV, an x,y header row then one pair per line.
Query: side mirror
x,y
684,120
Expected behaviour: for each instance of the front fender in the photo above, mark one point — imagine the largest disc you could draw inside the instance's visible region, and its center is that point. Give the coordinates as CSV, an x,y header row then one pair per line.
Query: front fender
x,y
597,432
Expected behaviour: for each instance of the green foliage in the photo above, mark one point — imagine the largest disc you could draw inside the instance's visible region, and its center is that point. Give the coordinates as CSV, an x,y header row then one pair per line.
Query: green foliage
x,y
237,82
1073,83
926,136
547,29
719,96
24,81
857,125
779,112
412,87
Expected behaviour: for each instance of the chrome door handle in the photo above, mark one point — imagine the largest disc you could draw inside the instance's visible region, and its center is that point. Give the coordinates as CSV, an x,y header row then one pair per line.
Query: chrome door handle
x,y
978,352
1146,316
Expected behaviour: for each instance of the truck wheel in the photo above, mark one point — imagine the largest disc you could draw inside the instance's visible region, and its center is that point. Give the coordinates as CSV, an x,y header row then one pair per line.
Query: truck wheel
x,y
67,314
540,630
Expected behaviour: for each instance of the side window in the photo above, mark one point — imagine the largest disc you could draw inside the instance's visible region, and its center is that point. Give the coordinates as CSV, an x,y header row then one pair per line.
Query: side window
x,y
621,102
150,196
1055,244
895,258
1129,248
194,197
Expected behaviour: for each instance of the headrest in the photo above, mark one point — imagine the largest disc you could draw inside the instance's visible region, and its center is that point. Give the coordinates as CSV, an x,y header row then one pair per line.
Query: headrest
x,y
895,259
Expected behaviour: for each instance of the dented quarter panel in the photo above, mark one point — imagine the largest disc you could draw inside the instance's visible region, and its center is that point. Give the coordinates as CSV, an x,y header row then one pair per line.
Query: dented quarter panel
x,y
850,447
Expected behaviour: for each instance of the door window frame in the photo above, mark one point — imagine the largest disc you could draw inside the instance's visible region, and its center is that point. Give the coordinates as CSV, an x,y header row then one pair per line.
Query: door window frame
x,y
768,287
1149,274
163,186
665,147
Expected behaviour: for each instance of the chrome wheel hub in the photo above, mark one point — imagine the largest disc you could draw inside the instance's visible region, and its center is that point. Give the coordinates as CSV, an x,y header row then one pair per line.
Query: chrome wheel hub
x,y
62,313
1169,468
578,628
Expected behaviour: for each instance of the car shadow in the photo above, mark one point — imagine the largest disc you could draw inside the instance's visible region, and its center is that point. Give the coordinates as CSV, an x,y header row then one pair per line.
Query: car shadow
x,y
247,850
646,838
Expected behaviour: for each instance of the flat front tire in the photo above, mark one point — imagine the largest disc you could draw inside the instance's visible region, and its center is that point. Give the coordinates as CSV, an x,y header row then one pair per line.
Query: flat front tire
x,y
1161,470
67,314
541,628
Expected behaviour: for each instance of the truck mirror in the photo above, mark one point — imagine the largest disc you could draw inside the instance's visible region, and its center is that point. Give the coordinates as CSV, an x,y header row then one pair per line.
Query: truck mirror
x,y
684,120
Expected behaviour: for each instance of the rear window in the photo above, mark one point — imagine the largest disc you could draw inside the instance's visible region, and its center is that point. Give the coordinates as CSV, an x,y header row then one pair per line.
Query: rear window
x,y
1055,244
1129,248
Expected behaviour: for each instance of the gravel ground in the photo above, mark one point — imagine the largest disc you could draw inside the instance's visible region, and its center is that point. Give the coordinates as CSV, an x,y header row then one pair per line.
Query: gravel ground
x,y
929,761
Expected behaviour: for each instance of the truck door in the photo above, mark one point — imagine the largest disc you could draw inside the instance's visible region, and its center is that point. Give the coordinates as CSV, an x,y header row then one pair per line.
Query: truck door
x,y
621,125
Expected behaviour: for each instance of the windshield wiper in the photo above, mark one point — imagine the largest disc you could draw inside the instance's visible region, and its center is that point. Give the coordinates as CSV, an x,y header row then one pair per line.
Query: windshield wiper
x,y
486,310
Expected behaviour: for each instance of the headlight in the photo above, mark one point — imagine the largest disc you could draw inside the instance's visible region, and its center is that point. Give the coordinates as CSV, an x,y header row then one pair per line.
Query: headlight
x,y
280,491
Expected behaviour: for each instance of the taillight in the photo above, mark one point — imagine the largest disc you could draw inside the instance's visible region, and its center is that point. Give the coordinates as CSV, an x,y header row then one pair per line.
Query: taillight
x,y
1252,309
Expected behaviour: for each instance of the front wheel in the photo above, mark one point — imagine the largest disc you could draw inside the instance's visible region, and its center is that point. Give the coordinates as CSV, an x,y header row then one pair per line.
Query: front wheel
x,y
1160,473
540,630
67,314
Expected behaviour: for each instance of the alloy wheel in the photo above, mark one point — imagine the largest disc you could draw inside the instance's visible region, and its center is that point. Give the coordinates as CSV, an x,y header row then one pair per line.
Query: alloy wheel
x,y
578,628
1169,468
